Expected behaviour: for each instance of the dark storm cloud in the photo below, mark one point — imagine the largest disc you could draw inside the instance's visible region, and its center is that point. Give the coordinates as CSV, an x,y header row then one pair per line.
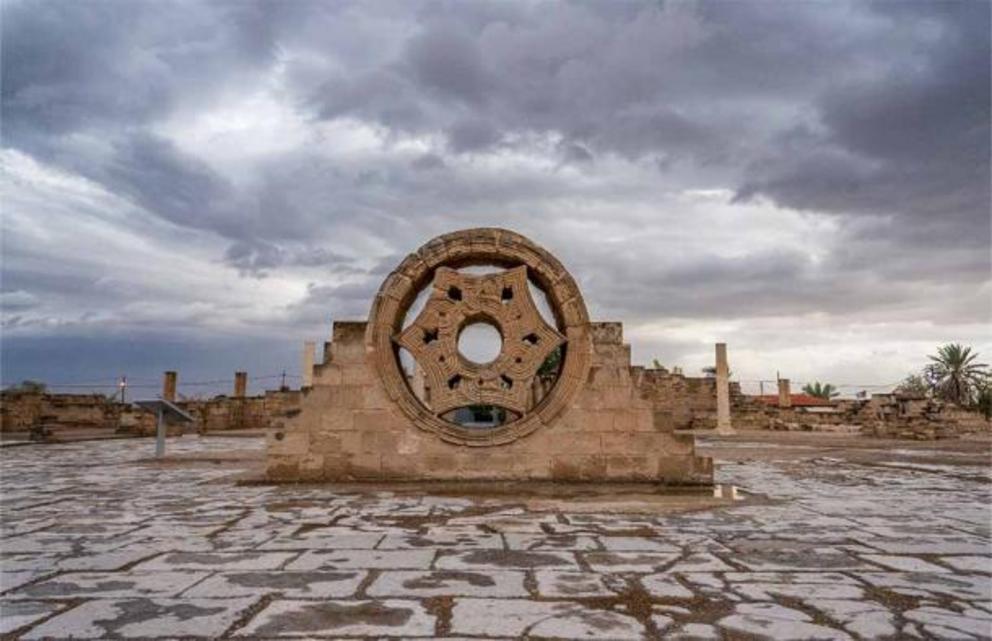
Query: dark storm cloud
x,y
574,122
71,66
913,144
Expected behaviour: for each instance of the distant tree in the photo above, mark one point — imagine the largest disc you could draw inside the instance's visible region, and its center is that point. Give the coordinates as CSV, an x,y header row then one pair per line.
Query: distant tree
x,y
655,363
33,387
825,391
954,375
983,398
914,385
710,371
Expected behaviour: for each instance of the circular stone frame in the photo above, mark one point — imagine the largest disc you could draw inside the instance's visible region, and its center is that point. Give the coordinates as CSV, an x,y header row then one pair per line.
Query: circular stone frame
x,y
465,248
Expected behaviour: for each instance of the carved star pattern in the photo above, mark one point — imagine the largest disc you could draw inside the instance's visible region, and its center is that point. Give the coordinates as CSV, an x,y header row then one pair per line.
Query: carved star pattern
x,y
456,300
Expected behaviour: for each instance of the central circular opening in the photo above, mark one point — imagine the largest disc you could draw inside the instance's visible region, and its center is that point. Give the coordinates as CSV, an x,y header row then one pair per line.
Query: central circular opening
x,y
480,342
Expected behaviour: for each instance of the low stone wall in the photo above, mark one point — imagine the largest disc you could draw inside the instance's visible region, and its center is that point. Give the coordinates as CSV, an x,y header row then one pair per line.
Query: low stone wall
x,y
22,411
883,416
239,413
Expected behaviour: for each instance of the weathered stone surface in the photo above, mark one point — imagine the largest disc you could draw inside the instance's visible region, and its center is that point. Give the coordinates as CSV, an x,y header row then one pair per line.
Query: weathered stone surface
x,y
486,583
363,419
342,618
142,618
159,560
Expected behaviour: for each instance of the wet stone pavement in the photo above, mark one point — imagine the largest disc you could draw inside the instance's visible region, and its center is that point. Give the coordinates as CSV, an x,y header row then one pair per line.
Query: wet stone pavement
x,y
96,545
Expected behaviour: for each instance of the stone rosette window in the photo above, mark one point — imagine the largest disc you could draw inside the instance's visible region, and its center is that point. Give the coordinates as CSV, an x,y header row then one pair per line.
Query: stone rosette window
x,y
458,299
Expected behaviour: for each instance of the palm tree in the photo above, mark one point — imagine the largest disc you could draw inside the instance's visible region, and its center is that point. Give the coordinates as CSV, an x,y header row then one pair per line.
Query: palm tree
x,y
825,391
954,374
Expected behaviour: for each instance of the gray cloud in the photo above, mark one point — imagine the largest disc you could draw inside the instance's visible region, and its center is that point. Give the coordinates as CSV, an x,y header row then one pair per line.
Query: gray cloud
x,y
303,148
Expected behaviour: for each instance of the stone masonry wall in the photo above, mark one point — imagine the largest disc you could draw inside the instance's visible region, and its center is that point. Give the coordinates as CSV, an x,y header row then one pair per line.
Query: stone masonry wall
x,y
348,429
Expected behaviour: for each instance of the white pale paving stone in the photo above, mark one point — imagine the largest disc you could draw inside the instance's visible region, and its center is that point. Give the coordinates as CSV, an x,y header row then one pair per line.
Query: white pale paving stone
x,y
363,559
351,541
515,617
903,563
932,546
414,583
981,564
456,540
291,618
772,621
662,622
865,619
804,591
956,586
143,618
17,614
218,561
833,578
694,632
634,562
315,584
700,562
505,559
525,541
103,561
665,586
37,543
938,621
706,580
11,580
564,585
112,584
637,544
21,562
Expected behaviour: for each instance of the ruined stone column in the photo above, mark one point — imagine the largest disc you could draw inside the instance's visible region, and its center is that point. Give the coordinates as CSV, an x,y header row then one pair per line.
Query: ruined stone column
x,y
784,395
306,374
240,384
169,386
722,390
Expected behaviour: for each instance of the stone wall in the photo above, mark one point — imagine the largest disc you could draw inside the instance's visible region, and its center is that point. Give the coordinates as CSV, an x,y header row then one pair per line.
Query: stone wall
x,y
883,416
22,411
898,416
687,403
349,429
223,413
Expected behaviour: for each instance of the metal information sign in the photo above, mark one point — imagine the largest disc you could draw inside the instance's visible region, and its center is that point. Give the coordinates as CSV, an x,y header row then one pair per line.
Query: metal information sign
x,y
167,413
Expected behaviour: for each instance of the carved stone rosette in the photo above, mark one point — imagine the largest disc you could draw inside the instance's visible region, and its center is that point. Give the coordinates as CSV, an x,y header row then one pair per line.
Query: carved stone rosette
x,y
458,299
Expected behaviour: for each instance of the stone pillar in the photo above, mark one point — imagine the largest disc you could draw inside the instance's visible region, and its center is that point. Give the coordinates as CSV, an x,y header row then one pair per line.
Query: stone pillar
x,y
240,384
722,390
784,395
306,374
169,386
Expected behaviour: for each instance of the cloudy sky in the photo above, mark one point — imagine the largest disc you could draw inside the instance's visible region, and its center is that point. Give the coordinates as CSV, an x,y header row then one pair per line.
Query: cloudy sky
x,y
202,186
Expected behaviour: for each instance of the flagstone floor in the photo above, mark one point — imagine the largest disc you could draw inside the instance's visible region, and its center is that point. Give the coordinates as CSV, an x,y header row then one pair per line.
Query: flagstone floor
x,y
97,545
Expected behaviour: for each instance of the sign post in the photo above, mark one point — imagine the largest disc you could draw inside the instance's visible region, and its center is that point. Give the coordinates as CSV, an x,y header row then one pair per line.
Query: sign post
x,y
165,413
160,433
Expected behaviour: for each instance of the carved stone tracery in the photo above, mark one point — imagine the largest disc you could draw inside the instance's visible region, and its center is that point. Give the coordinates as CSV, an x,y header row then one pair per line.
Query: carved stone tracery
x,y
457,300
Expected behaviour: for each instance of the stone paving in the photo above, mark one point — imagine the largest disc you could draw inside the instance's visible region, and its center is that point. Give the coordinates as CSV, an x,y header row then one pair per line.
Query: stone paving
x,y
97,545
